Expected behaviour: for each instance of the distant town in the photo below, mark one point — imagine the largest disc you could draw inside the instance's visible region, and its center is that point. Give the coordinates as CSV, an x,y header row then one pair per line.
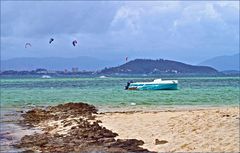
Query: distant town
x,y
42,71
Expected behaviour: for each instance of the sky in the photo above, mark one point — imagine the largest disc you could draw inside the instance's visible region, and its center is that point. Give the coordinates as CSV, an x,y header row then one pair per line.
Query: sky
x,y
187,31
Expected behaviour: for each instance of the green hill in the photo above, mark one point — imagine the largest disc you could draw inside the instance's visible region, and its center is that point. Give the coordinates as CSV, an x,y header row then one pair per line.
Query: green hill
x,y
161,66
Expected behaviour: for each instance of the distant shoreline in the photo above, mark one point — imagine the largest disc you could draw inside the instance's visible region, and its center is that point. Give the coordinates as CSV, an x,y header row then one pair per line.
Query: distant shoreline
x,y
90,74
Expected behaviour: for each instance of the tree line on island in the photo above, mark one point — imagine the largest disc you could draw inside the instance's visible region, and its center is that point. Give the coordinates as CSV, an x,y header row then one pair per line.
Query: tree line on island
x,y
160,66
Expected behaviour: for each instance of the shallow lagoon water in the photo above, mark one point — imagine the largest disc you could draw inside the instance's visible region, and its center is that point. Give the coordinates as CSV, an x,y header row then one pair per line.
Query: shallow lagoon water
x,y
109,92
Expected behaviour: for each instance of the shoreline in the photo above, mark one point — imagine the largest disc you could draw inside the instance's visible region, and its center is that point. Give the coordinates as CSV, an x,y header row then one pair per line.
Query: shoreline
x,y
121,108
155,127
152,108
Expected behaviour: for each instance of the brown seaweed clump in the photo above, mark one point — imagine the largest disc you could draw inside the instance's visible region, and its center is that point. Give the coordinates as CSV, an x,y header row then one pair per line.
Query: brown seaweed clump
x,y
62,111
82,136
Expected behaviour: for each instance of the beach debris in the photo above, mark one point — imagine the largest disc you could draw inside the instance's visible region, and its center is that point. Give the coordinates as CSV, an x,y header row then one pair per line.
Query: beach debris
x,y
83,134
157,142
28,45
19,111
51,40
133,104
74,42
184,145
225,115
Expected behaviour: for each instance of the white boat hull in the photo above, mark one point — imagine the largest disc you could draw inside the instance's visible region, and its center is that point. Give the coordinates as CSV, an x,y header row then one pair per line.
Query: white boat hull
x,y
155,85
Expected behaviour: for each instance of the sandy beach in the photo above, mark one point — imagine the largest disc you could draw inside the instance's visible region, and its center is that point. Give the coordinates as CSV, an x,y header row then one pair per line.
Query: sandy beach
x,y
80,128
194,130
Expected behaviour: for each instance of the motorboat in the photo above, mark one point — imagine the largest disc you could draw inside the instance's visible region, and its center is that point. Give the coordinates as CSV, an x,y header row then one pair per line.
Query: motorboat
x,y
102,77
46,77
157,84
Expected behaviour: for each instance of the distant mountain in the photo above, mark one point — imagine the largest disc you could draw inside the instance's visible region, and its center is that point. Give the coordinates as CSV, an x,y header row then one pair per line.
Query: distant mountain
x,y
147,66
223,63
231,72
54,63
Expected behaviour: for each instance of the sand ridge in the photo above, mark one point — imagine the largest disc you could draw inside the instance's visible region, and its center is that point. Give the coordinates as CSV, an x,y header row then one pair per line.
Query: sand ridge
x,y
200,130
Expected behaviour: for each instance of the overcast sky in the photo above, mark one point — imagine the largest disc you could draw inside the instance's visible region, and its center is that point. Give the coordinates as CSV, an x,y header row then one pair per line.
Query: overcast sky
x,y
186,31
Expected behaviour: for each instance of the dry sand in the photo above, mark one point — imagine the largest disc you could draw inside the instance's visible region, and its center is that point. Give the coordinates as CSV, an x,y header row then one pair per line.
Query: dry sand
x,y
192,130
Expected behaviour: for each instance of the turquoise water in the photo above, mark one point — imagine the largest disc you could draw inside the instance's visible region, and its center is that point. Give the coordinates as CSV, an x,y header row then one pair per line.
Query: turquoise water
x,y
213,91
21,93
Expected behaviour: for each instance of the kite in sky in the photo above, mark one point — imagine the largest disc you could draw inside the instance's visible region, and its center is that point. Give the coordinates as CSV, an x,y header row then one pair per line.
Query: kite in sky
x,y
51,40
74,42
28,45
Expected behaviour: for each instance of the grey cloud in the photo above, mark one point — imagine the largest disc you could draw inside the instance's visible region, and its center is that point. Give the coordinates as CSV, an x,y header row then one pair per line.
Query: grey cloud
x,y
43,18
178,30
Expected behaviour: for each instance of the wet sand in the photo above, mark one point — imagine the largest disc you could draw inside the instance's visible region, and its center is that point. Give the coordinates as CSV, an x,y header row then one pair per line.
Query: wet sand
x,y
11,131
179,130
